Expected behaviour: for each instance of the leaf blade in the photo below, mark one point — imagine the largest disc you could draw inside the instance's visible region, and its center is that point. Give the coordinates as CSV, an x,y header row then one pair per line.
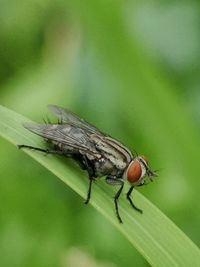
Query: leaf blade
x,y
158,239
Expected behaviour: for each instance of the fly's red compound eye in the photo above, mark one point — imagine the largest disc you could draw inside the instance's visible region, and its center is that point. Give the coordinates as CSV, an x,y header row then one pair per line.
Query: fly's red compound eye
x,y
134,171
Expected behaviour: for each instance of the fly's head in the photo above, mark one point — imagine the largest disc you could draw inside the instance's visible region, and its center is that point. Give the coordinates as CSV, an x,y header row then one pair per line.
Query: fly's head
x,y
138,170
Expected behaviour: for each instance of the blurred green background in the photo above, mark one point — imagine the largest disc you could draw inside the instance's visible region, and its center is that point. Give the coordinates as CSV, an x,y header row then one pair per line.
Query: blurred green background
x,y
132,68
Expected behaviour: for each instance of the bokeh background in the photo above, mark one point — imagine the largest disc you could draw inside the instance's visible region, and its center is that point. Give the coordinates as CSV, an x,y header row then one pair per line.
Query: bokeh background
x,y
133,69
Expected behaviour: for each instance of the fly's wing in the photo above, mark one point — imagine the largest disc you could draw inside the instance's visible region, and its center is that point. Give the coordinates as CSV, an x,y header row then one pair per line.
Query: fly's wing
x,y
68,136
68,117
76,135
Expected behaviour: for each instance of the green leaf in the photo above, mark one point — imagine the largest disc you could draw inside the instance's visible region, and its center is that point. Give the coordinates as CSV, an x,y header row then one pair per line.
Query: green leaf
x,y
157,238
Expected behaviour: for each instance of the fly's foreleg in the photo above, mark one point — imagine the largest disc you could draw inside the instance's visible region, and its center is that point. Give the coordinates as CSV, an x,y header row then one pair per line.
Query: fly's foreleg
x,y
47,151
114,181
128,195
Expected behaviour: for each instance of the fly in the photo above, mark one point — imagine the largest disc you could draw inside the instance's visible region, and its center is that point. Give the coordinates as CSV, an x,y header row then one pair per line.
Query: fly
x,y
96,152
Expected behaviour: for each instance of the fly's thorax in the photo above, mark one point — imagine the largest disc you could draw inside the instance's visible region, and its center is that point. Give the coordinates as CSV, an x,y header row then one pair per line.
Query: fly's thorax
x,y
112,150
136,171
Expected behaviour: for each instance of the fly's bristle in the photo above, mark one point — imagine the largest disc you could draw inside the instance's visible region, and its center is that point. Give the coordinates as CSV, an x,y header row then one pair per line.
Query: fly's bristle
x,y
46,120
60,121
135,152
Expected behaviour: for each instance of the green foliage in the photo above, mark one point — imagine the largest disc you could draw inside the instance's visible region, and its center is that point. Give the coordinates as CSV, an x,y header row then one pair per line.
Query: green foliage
x,y
132,69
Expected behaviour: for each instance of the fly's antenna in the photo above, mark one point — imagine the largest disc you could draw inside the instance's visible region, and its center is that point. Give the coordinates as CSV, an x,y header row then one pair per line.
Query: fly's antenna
x,y
158,170
135,152
153,174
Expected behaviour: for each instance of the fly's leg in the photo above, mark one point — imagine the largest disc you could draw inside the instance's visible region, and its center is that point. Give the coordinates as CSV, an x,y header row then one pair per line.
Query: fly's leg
x,y
116,203
47,151
89,191
90,176
128,195
114,181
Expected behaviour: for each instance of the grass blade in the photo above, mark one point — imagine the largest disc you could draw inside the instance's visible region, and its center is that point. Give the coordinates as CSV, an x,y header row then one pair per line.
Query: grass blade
x,y
158,239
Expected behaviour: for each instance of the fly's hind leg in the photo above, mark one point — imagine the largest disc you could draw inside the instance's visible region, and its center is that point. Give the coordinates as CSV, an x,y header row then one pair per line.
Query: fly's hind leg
x,y
90,176
128,195
47,151
115,181
89,190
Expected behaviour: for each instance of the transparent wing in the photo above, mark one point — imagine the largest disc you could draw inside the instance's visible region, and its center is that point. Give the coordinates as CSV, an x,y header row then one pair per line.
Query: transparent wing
x,y
68,117
67,135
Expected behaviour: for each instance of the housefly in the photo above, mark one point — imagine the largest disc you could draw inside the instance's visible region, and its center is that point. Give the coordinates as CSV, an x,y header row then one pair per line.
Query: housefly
x,y
96,152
